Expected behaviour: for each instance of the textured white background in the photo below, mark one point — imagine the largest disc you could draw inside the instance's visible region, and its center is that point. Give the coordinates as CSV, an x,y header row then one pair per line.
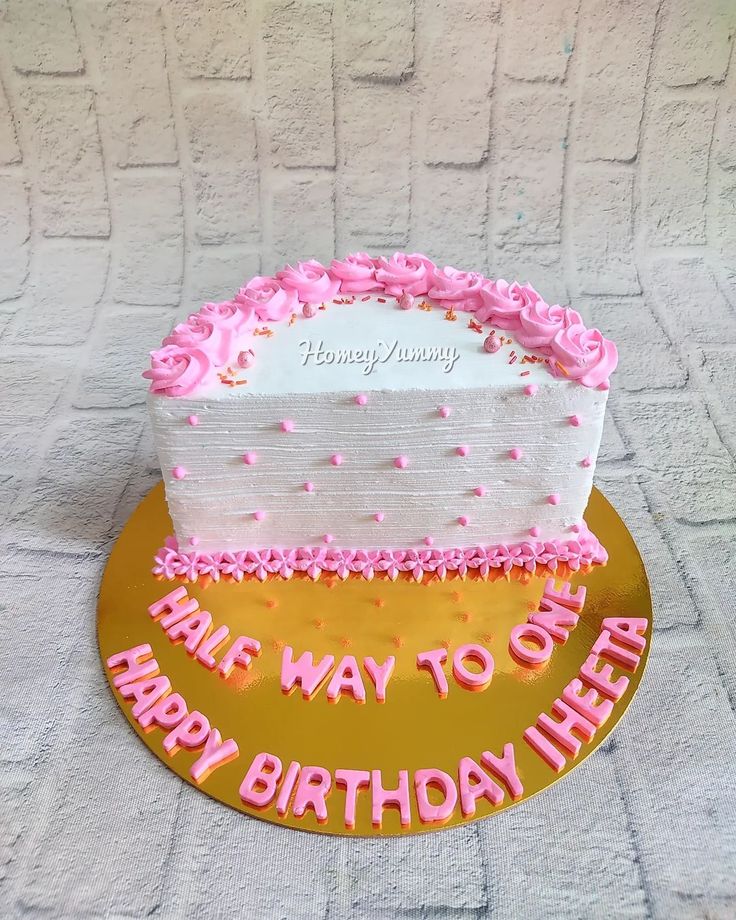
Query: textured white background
x,y
154,154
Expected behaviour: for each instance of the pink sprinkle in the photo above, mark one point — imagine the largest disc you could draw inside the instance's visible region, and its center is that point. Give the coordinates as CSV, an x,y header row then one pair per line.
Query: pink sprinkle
x,y
309,310
462,520
328,538
462,451
401,462
250,458
553,499
259,515
534,531
491,344
586,461
406,301
364,299
575,420
287,425
378,517
179,472
309,487
531,389
444,411
361,399
193,541
336,459
193,420
428,541
516,453
480,491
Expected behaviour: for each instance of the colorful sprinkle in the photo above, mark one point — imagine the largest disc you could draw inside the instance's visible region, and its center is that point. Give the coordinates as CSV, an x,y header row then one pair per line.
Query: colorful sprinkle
x,y
575,421
480,491
378,517
401,462
553,499
463,520
462,451
361,399
444,411
336,459
531,389
287,425
193,420
309,487
516,453
259,515
178,472
250,458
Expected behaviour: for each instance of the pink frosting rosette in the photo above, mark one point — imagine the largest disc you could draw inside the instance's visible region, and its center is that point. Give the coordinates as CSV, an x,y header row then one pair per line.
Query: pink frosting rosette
x,y
228,315
215,339
265,297
310,280
405,274
356,273
584,355
458,289
503,302
177,371
539,323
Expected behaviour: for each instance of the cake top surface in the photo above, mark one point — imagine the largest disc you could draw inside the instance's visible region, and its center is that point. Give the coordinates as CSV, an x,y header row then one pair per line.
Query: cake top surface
x,y
377,324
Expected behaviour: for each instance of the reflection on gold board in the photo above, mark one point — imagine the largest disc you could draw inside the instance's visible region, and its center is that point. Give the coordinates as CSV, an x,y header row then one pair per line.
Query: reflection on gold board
x,y
414,728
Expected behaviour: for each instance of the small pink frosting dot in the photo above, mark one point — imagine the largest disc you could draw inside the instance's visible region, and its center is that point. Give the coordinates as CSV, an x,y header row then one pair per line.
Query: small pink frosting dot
x,y
328,538
193,541
178,472
378,517
553,499
604,386
259,515
193,420
361,399
575,528
309,310
463,520
336,459
480,491
309,487
462,451
534,531
491,344
516,453
531,389
428,541
586,461
575,420
250,458
444,411
401,462
287,425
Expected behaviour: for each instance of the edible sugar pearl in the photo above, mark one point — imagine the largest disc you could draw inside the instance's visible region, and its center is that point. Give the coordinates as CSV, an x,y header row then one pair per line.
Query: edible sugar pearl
x,y
361,399
378,517
480,491
193,420
575,420
259,515
462,451
178,472
287,425
193,541
534,531
401,462
553,499
444,411
531,389
516,453
309,310
336,459
586,462
250,458
246,358
328,538
309,487
491,344
428,541
406,301
462,520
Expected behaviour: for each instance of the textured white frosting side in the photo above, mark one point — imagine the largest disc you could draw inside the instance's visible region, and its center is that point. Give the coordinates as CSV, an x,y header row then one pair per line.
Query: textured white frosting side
x,y
217,498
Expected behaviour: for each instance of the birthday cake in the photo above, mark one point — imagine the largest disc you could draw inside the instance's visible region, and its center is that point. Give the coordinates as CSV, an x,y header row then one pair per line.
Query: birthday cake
x,y
378,417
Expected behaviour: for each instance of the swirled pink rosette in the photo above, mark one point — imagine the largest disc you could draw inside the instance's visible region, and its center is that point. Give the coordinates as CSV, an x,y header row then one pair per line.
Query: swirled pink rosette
x,y
584,355
405,274
539,323
267,299
213,338
310,280
454,288
503,303
228,315
356,273
177,371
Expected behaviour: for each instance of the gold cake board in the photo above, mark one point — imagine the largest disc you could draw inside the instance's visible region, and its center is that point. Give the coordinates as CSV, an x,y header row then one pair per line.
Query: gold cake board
x,y
414,729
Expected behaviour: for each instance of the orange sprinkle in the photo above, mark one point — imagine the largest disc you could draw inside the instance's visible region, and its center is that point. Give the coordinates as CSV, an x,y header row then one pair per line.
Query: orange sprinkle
x,y
278,644
450,315
524,373
561,368
465,617
426,307
379,602
240,382
323,306
456,596
346,642
292,319
272,602
398,641
445,643
319,624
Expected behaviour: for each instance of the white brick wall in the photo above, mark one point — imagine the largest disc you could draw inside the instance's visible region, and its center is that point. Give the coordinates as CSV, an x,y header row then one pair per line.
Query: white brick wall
x,y
153,154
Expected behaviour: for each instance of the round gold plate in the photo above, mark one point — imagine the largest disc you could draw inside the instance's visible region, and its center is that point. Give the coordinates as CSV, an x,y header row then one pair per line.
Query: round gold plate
x,y
414,728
